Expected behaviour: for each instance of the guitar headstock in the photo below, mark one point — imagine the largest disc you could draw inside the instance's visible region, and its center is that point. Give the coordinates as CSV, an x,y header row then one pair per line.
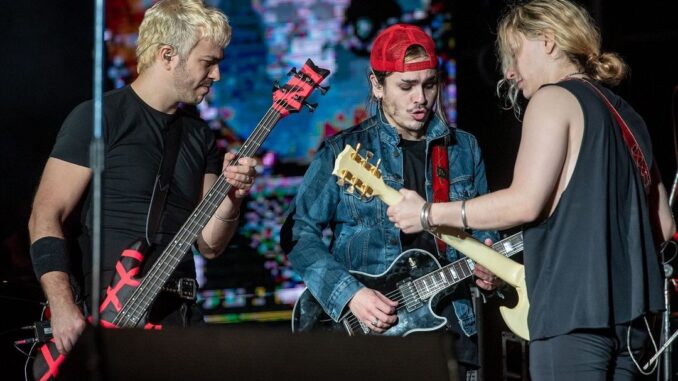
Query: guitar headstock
x,y
356,171
292,96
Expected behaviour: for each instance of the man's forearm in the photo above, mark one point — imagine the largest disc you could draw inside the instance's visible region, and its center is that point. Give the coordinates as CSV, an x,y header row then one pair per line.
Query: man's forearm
x,y
219,230
57,288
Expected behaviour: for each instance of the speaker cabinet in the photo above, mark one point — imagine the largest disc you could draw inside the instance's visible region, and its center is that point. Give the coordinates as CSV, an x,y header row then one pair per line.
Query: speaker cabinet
x,y
248,353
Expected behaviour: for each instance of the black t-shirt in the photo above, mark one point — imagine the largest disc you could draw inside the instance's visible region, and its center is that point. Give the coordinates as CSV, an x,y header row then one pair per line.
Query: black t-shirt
x,y
133,135
414,169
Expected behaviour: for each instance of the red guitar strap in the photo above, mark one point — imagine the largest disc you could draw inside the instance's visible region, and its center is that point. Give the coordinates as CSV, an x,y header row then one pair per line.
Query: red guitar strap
x,y
441,180
634,149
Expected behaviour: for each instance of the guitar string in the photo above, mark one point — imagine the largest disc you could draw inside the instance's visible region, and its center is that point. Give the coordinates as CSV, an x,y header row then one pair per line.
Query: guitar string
x,y
260,134
458,268
517,246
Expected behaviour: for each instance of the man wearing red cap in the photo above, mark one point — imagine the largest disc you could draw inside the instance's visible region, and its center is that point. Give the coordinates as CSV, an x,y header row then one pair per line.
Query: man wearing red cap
x,y
411,137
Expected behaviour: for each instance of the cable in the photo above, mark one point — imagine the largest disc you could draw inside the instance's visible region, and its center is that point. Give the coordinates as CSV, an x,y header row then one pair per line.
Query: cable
x,y
27,360
654,345
29,355
664,247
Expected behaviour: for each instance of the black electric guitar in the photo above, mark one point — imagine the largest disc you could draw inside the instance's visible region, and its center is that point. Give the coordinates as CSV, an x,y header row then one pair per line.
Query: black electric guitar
x,y
365,178
129,296
415,279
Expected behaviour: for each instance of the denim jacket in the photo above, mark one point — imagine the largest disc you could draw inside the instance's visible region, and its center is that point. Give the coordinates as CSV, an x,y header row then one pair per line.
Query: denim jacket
x,y
363,237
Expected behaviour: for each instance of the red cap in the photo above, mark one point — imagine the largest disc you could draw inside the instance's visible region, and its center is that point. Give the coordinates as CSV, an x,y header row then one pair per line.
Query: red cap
x,y
388,50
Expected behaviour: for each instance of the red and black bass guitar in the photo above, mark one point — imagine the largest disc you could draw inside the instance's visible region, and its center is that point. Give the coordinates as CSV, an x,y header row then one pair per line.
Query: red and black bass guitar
x,y
129,296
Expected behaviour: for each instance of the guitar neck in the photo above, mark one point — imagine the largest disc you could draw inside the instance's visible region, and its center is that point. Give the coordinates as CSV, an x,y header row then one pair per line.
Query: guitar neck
x,y
134,311
506,269
461,269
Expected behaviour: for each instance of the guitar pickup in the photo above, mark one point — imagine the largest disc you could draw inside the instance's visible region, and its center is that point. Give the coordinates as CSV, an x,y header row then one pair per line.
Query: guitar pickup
x,y
185,288
410,296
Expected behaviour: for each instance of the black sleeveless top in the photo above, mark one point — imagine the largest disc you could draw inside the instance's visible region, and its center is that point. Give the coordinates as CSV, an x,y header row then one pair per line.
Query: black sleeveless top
x,y
593,263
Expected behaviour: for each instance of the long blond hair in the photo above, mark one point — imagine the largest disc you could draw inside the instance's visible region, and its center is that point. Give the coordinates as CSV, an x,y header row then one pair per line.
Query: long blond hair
x,y
574,33
180,24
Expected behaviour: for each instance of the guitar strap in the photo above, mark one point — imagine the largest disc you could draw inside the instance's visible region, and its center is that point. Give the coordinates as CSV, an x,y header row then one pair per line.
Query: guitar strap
x,y
441,179
163,179
634,149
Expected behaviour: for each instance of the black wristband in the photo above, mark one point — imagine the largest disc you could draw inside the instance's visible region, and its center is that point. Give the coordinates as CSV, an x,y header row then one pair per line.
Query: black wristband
x,y
50,254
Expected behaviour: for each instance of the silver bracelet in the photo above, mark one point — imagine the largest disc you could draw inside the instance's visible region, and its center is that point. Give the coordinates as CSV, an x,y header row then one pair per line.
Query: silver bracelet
x,y
423,217
234,219
463,214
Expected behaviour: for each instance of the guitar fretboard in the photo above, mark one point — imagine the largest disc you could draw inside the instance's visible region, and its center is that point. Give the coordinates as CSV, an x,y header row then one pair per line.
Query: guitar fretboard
x,y
430,284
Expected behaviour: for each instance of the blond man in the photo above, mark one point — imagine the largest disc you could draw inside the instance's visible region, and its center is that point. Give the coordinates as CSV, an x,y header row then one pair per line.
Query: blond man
x,y
181,43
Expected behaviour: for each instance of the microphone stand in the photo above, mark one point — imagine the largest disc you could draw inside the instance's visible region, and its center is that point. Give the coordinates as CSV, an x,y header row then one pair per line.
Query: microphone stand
x,y
666,326
668,272
668,269
97,159
97,163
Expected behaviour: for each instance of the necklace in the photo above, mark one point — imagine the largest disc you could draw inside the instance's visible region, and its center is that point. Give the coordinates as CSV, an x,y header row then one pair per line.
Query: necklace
x,y
570,75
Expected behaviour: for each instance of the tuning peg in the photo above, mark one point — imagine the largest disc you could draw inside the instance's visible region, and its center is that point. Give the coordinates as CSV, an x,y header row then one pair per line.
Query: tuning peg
x,y
276,85
375,169
292,71
323,89
311,106
363,189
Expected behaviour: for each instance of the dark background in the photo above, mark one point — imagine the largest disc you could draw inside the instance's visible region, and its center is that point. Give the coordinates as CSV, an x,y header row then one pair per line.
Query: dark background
x,y
45,70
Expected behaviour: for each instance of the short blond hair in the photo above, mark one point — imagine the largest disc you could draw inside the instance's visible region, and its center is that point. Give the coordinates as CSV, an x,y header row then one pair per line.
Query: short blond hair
x,y
180,24
574,32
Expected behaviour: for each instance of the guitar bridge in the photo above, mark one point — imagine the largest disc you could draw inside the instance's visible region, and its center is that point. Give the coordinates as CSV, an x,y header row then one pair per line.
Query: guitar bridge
x,y
184,288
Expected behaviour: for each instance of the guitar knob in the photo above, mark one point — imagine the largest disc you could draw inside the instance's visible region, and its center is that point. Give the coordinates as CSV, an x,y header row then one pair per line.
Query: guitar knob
x,y
412,262
292,71
323,89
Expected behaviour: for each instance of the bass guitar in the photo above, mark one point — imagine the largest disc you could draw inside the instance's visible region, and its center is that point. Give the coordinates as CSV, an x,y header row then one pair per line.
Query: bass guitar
x,y
415,279
128,298
363,177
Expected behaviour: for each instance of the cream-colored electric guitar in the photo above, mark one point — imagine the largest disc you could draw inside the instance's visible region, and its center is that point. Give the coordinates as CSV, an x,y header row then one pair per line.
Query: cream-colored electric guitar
x,y
363,177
